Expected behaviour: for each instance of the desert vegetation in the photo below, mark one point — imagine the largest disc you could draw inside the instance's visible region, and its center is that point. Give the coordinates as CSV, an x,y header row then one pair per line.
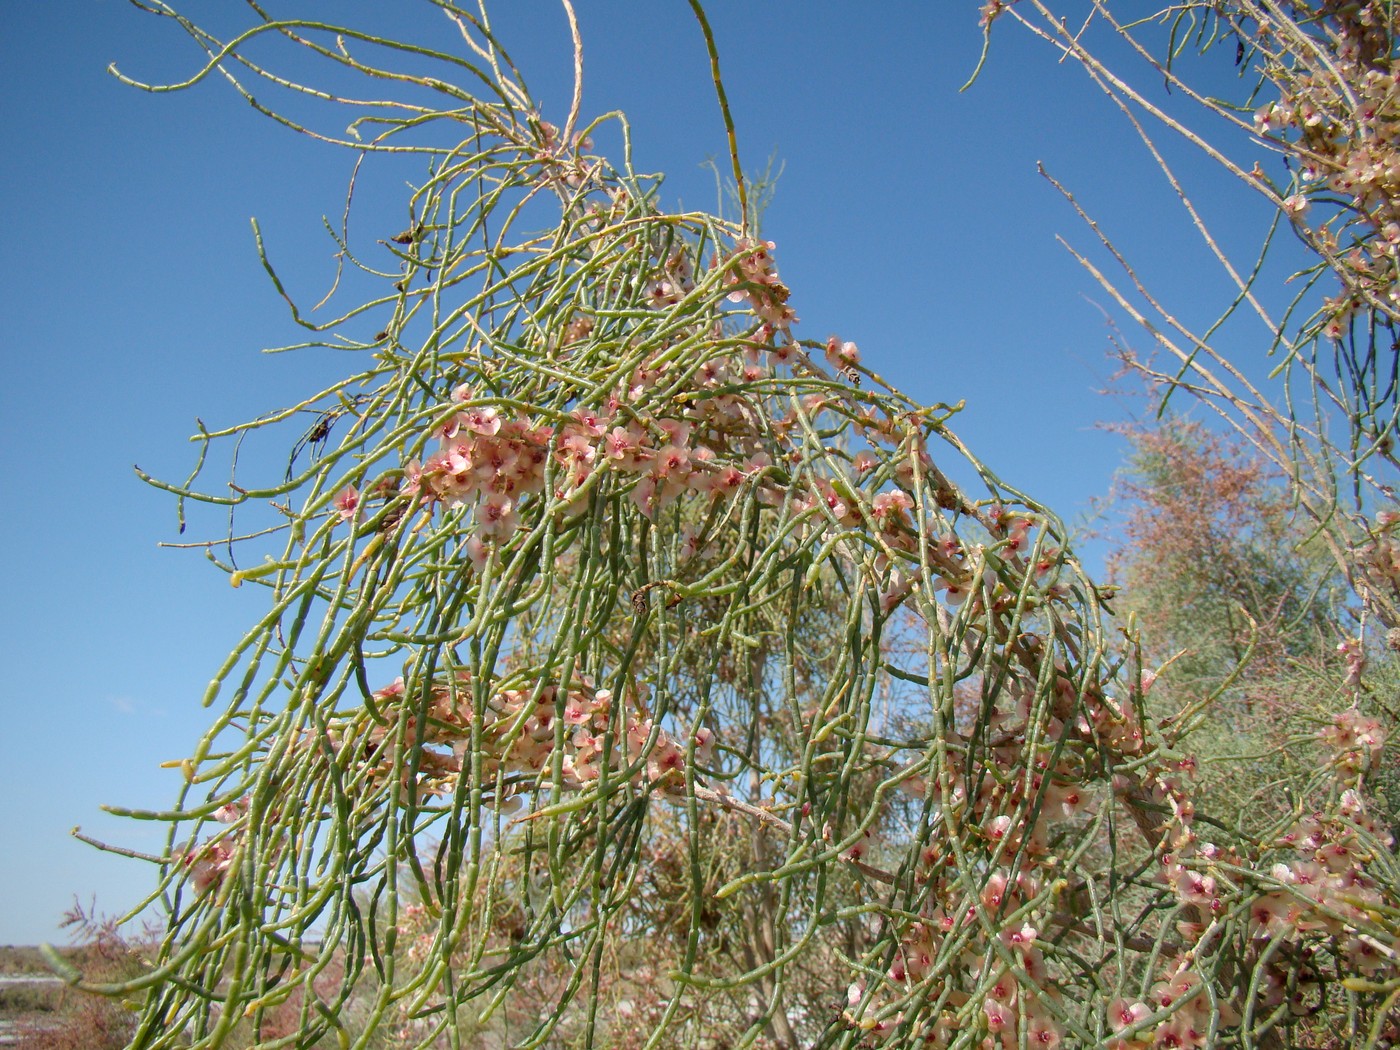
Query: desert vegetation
x,y
641,669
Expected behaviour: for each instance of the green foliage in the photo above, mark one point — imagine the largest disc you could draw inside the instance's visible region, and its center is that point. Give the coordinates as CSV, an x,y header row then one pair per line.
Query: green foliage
x,y
1217,567
634,673
1241,608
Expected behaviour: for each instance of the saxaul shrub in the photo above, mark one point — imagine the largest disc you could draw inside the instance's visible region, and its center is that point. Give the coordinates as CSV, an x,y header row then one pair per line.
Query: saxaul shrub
x,y
1336,115
620,652
1315,109
1323,75
1378,559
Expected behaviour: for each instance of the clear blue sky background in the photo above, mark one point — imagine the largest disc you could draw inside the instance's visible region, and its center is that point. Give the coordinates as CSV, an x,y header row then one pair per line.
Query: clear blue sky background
x,y
910,218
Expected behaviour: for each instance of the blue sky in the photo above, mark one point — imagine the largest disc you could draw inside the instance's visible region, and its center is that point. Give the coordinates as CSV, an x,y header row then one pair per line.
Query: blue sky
x,y
909,218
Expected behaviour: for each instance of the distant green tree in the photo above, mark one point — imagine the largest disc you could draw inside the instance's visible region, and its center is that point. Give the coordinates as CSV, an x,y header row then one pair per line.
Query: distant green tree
x,y
1217,567
1236,605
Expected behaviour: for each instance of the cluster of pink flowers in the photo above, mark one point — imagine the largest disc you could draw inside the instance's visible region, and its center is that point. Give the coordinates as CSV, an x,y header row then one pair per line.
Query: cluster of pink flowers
x,y
1324,898
206,863
1016,809
1011,812
843,356
415,928
493,461
1184,870
1318,904
1356,742
524,736
521,735
492,458
1013,1008
962,573
754,280
1353,652
1379,558
1010,799
1180,989
673,282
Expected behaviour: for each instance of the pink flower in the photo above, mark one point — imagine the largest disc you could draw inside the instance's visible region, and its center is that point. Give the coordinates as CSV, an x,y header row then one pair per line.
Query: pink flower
x,y
638,732
1183,985
586,745
1000,1017
835,503
1123,1014
753,278
576,452
232,812
645,496
623,446
899,588
1194,888
412,478
704,746
994,891
998,828
1021,940
1354,652
673,461
1041,1031
576,712
841,355
483,420
392,691
477,552
591,423
891,509
1356,739
665,759
347,502
206,864
861,846
677,430
663,293
1063,801
1269,117
1365,955
496,516
727,480
712,372
783,354
1017,542
953,593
